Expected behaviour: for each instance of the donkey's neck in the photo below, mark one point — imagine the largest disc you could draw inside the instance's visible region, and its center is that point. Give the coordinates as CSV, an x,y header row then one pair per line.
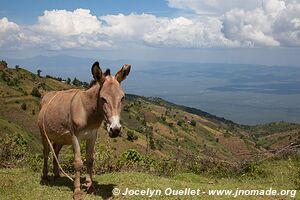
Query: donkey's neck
x,y
91,101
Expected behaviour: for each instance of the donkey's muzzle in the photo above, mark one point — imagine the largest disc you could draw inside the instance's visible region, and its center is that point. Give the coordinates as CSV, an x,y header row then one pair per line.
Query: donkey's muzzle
x,y
114,132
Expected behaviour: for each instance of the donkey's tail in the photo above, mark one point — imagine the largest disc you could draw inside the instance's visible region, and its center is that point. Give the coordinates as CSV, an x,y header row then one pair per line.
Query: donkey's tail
x,y
49,142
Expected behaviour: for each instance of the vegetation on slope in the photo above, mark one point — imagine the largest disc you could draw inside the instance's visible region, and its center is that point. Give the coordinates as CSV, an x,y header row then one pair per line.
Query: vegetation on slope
x,y
159,138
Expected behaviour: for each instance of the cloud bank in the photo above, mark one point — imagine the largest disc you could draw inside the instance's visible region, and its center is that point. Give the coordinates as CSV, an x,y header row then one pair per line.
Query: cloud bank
x,y
213,24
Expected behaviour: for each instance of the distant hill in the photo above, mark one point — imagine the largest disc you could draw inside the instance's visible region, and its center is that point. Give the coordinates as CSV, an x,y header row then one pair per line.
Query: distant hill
x,y
151,125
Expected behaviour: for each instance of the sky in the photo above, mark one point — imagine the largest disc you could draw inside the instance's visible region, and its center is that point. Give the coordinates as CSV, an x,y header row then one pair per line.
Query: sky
x,y
230,31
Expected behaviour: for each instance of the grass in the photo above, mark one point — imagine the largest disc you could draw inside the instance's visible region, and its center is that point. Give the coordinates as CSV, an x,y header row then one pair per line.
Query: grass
x,y
22,183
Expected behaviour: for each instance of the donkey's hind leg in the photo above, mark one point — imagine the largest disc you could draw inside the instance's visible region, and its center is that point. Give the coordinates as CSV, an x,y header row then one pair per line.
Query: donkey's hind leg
x,y
57,148
46,155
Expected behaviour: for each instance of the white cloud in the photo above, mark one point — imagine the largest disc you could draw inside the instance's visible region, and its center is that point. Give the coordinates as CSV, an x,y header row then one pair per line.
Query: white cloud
x,y
286,27
68,23
190,33
250,28
61,29
213,6
10,35
273,23
164,32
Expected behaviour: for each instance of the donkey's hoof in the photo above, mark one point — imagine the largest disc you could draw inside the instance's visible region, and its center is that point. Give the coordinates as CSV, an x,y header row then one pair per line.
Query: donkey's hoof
x,y
77,196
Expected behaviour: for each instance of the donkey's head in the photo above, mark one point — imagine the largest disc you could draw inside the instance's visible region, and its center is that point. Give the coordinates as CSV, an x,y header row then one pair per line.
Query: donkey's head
x,y
111,96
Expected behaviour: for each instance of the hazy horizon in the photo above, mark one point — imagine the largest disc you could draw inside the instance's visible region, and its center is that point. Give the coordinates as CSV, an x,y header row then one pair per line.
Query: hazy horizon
x,y
243,93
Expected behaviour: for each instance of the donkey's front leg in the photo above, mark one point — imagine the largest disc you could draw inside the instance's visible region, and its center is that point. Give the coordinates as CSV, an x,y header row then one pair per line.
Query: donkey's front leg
x,y
77,166
90,144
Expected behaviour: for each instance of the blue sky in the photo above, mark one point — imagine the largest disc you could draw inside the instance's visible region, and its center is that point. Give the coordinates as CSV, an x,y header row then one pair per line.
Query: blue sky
x,y
249,31
26,12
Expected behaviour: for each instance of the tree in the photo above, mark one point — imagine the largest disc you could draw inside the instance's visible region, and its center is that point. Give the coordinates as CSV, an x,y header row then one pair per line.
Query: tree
x,y
68,81
77,82
3,64
39,72
85,84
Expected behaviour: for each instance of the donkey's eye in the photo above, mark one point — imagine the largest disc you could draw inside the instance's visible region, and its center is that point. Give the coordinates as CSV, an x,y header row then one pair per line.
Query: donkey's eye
x,y
122,99
103,99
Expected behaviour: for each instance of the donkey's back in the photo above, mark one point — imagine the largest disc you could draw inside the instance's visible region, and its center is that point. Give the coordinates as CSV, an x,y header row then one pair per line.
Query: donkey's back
x,y
54,115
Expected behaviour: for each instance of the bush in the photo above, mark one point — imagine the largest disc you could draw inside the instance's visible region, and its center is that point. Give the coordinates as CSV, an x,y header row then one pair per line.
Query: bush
x,y
151,142
180,122
35,92
23,106
13,82
193,123
253,170
131,136
132,159
104,160
36,162
13,150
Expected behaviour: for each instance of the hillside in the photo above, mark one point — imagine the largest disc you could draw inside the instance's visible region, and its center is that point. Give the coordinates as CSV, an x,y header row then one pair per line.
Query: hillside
x,y
187,146
173,130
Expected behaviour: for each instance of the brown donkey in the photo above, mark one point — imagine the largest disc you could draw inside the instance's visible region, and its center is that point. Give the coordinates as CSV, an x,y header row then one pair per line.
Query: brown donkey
x,y
67,117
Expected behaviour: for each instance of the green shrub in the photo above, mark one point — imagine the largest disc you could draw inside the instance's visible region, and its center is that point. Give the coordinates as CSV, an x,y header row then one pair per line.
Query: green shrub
x,y
132,159
151,142
13,150
180,122
193,123
23,106
104,160
253,170
131,136
36,162
35,92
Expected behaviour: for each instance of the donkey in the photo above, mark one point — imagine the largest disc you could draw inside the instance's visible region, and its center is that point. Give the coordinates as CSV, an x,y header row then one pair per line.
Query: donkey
x,y
68,117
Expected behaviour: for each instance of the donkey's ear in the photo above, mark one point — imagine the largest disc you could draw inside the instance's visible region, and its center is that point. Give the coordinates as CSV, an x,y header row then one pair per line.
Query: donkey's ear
x,y
123,73
97,73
